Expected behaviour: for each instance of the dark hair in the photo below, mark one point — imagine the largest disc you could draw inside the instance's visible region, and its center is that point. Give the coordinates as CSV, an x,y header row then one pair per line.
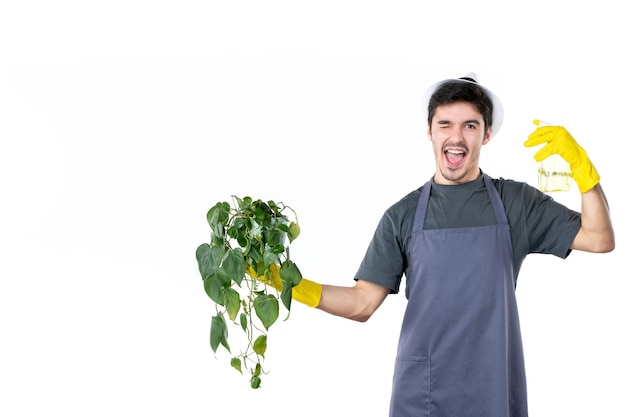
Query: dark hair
x,y
462,91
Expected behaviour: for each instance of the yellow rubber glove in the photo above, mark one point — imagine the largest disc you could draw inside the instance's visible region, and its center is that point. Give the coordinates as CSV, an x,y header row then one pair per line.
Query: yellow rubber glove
x,y
559,141
307,292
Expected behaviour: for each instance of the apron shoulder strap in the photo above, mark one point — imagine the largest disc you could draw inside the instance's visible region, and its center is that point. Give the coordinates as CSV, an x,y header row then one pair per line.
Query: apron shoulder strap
x,y
496,201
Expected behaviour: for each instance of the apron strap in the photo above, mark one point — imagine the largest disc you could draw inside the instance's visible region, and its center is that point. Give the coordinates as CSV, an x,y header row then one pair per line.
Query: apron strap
x,y
496,201
420,213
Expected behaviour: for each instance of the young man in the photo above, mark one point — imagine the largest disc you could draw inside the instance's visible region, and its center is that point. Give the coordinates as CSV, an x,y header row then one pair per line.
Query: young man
x,y
460,241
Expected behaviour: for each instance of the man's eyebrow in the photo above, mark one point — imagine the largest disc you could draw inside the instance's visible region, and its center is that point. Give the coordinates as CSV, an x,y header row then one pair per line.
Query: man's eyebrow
x,y
445,121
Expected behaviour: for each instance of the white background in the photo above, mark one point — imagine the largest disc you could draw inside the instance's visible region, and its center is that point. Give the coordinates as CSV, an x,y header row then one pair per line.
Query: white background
x,y
123,122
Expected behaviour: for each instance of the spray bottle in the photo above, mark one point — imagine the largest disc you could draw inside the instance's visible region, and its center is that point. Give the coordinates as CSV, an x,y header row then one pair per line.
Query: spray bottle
x,y
554,172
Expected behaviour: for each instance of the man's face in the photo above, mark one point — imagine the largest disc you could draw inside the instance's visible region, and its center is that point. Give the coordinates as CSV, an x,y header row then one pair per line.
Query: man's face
x,y
457,132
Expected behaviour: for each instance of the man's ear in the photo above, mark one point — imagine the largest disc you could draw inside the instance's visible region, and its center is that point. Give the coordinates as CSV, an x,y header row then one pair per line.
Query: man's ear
x,y
429,134
487,137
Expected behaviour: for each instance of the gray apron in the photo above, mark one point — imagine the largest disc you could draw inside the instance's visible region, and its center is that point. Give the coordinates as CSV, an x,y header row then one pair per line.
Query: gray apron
x,y
460,348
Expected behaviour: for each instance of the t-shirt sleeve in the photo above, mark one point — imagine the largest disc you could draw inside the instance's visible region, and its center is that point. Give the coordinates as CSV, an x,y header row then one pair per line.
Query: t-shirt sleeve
x,y
384,261
550,226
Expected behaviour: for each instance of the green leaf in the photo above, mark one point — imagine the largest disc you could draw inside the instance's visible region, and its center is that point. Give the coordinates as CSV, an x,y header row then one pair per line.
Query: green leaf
x,y
219,332
259,215
290,273
242,241
286,294
277,249
254,252
273,206
269,257
257,370
260,345
240,202
209,259
274,237
266,308
217,217
255,382
294,231
243,320
236,363
238,229
234,265
215,286
232,302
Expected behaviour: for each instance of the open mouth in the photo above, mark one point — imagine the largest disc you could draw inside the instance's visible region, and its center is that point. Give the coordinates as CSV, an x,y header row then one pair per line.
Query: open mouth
x,y
454,157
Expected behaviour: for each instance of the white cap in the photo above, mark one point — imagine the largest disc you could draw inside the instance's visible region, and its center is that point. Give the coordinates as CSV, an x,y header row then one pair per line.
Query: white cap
x,y
498,110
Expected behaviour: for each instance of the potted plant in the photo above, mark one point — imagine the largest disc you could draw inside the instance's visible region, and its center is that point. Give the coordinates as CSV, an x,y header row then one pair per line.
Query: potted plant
x,y
246,268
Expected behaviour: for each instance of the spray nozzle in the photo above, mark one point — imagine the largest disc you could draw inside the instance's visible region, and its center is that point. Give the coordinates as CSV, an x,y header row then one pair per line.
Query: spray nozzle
x,y
541,123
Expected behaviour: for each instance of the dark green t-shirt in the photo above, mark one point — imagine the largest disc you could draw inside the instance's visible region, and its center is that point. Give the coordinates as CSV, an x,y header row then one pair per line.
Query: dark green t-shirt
x,y
538,225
